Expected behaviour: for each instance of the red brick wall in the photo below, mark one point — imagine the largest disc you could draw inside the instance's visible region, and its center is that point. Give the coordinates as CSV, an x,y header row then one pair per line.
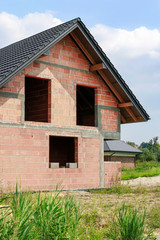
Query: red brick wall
x,y
16,85
126,161
25,158
109,120
112,173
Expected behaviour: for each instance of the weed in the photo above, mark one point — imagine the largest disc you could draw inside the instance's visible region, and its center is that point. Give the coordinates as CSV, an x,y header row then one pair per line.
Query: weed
x,y
129,225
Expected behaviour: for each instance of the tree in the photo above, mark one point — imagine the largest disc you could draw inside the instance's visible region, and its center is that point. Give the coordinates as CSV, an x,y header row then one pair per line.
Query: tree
x,y
131,143
151,150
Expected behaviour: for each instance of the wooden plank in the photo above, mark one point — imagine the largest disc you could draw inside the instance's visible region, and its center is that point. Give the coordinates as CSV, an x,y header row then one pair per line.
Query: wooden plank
x,y
127,104
123,119
131,114
96,67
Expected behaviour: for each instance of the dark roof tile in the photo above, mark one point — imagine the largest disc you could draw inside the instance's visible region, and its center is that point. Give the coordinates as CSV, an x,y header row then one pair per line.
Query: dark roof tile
x,y
119,146
18,53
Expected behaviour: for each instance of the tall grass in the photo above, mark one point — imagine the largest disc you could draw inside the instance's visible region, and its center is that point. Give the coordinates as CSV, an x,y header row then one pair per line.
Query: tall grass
x,y
129,225
41,216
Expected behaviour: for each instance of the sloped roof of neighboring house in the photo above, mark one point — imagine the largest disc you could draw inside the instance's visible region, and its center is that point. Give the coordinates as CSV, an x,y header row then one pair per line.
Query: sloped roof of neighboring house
x,y
17,56
119,146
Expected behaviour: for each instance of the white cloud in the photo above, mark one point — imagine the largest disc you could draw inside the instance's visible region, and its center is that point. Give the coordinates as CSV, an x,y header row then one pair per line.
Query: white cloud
x,y
13,28
141,41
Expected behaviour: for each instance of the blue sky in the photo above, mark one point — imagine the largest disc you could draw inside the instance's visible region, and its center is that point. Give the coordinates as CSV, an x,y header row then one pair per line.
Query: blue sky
x,y
126,14
127,30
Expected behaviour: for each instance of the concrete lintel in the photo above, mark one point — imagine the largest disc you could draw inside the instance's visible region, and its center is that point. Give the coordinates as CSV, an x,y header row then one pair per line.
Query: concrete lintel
x,y
63,66
11,95
111,135
108,107
75,132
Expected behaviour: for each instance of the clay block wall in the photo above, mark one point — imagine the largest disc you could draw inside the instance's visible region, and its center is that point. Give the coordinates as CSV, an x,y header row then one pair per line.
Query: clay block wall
x,y
24,152
25,158
112,173
126,161
109,120
10,110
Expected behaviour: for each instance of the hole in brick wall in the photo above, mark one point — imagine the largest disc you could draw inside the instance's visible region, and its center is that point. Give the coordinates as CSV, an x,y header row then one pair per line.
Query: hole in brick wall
x,y
36,100
85,106
62,151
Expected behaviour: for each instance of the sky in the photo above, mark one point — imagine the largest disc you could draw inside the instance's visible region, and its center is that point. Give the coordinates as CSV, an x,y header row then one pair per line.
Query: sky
x,y
127,30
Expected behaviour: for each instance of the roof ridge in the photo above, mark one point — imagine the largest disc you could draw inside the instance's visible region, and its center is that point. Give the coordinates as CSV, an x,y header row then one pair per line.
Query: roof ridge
x,y
48,29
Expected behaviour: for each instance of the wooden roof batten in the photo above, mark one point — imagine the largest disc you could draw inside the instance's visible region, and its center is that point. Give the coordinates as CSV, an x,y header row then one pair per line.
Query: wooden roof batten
x,y
99,67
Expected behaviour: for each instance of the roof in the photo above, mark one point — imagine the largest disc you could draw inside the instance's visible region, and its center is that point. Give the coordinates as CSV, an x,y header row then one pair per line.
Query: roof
x,y
17,56
119,146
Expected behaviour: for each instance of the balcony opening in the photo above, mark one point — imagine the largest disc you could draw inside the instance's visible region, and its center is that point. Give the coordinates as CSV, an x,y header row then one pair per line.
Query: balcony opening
x,y
37,100
85,106
62,152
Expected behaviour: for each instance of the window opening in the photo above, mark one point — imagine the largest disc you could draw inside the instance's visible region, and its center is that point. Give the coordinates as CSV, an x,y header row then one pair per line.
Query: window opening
x,y
62,151
85,106
36,100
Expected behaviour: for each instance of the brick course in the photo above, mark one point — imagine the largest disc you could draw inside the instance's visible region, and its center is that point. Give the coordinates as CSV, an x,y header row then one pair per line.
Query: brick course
x,y
126,161
112,173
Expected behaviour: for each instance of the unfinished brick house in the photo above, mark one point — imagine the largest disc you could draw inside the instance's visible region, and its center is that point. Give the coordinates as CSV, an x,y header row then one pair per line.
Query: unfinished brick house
x,y
60,98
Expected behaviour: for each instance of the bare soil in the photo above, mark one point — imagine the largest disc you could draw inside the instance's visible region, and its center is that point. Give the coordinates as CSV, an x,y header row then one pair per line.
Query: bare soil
x,y
143,181
105,204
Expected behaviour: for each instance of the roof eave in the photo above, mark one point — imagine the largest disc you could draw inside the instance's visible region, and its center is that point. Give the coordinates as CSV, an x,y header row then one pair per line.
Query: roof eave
x,y
112,70
118,151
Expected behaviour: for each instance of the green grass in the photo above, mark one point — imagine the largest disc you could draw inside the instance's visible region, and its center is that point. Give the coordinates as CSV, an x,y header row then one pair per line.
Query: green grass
x,y
125,189
27,216
142,169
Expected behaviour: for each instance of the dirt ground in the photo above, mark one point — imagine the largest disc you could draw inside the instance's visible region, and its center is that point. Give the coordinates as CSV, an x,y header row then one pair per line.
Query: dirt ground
x,y
143,181
107,203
